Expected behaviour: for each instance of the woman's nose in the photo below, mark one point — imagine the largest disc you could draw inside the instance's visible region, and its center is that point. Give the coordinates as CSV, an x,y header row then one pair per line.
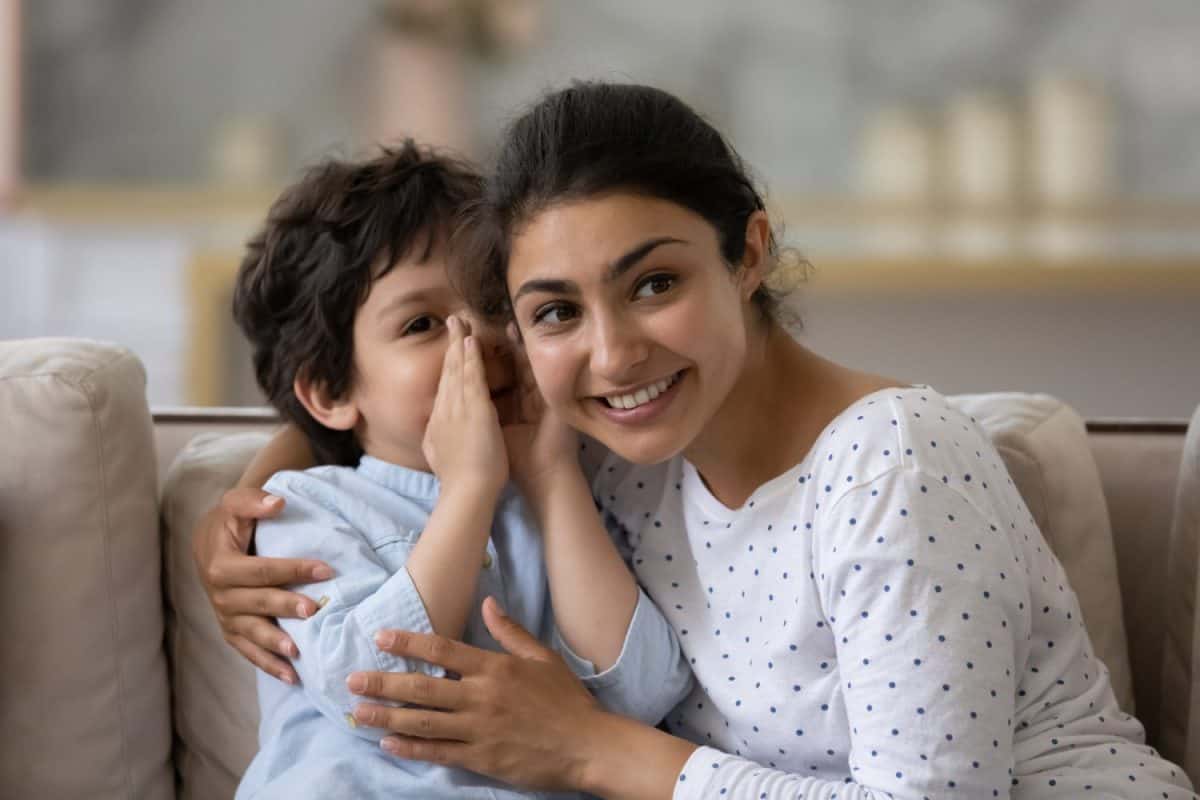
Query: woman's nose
x,y
618,349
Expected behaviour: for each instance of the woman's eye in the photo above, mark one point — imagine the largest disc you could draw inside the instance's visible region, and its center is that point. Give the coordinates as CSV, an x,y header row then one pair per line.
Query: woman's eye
x,y
420,325
554,314
655,284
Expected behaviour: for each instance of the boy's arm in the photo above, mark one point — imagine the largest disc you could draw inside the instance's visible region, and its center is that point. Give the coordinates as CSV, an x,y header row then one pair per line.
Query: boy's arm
x,y
591,589
363,597
287,449
611,633
445,562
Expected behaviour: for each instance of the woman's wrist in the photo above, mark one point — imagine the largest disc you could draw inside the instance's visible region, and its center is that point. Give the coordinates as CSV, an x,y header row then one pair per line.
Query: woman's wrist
x,y
627,760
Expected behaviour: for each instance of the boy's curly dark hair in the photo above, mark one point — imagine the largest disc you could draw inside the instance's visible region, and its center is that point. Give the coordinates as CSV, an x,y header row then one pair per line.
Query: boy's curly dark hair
x,y
325,241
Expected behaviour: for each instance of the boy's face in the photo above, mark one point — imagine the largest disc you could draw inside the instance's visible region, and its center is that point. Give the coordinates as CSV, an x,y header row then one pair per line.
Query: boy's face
x,y
399,343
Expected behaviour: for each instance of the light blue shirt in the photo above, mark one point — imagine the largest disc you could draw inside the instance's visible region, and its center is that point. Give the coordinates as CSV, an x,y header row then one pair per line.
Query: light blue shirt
x,y
364,523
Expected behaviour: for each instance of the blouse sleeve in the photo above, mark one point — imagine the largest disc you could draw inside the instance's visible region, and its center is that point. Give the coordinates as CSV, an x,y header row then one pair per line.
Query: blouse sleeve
x,y
927,602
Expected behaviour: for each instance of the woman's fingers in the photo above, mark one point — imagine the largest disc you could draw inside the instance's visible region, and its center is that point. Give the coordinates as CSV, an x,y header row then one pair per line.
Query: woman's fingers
x,y
422,723
433,751
261,632
409,687
446,653
264,603
256,571
264,660
247,503
511,636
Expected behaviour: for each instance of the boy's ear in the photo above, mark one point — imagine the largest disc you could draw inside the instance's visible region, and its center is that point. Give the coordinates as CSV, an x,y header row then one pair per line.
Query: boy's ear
x,y
757,254
338,414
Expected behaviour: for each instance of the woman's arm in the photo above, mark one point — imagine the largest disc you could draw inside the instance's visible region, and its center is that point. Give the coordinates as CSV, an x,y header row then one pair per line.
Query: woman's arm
x,y
522,718
287,449
243,589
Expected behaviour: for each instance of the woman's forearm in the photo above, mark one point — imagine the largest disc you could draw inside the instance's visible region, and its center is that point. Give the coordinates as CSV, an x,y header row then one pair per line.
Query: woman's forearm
x,y
288,449
632,761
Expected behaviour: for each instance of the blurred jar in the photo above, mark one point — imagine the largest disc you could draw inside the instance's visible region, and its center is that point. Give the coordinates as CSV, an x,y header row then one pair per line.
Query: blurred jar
x,y
248,151
896,162
983,152
1071,142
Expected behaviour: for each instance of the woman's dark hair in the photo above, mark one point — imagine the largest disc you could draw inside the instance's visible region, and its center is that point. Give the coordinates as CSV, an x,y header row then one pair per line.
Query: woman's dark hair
x,y
592,138
326,239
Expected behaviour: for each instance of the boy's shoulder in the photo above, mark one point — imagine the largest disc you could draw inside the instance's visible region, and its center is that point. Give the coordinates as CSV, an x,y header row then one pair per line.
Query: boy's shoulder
x,y
325,485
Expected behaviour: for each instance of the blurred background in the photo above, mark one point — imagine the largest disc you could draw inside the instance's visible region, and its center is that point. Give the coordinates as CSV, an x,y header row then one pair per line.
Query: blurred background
x,y
996,194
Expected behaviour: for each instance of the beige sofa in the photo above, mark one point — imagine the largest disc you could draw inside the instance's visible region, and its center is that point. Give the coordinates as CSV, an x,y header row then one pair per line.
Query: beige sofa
x,y
116,682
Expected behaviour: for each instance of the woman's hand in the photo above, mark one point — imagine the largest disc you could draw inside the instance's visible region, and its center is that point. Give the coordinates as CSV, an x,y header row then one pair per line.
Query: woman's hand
x,y
463,443
522,718
539,443
243,588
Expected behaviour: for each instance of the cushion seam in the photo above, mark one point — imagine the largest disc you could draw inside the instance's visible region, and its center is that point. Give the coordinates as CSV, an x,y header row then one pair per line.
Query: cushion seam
x,y
88,394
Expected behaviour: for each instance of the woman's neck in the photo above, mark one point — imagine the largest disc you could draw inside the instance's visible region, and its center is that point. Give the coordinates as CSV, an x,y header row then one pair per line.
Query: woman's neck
x,y
783,399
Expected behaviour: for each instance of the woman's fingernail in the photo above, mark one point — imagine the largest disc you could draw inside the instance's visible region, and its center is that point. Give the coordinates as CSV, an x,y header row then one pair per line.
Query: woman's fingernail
x,y
322,573
364,715
385,639
287,678
356,682
302,610
270,501
391,746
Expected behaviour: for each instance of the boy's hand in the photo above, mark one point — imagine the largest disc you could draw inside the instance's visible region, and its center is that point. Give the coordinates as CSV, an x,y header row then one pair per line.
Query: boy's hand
x,y
463,443
539,443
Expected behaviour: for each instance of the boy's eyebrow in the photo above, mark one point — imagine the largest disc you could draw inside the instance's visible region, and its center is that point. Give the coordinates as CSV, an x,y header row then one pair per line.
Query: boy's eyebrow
x,y
615,270
408,298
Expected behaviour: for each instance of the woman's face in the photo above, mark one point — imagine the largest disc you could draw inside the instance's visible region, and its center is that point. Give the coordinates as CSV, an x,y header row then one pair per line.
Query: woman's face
x,y
634,325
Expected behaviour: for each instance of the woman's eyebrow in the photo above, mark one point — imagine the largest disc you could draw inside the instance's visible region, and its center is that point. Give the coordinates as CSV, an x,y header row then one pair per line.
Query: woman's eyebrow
x,y
627,261
614,271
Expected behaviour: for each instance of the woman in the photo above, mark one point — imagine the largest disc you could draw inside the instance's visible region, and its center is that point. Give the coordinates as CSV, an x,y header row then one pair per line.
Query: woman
x,y
867,605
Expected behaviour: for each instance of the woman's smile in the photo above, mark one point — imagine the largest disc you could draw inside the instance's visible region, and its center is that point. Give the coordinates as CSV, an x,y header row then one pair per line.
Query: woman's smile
x,y
640,405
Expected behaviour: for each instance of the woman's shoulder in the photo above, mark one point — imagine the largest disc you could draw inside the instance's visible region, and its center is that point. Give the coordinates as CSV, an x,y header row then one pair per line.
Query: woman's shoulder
x,y
913,429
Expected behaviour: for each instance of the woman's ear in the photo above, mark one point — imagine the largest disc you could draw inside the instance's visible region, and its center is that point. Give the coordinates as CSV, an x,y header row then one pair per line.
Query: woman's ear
x,y
756,257
340,414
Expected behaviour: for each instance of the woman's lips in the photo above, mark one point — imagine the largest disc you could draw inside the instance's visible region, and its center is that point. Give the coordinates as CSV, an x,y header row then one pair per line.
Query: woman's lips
x,y
646,411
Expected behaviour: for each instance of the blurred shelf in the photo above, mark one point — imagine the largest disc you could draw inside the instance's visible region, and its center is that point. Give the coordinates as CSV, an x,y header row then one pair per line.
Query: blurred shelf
x,y
138,204
898,276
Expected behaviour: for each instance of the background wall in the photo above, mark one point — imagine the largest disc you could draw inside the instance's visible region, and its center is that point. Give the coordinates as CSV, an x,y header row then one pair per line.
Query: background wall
x,y
155,132
149,82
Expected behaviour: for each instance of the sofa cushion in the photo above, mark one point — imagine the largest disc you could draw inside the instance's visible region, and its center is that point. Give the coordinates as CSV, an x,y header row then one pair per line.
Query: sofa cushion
x,y
1044,444
83,703
1180,714
216,703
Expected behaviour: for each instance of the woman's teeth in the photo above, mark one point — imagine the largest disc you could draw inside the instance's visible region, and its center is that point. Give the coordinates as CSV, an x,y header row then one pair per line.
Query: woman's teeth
x,y
628,401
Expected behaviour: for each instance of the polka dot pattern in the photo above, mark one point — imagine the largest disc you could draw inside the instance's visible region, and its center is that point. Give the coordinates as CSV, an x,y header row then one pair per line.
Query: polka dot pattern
x,y
883,619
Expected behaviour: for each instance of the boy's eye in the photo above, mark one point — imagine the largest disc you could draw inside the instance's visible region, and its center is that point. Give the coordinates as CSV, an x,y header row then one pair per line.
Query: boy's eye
x,y
554,314
655,284
422,324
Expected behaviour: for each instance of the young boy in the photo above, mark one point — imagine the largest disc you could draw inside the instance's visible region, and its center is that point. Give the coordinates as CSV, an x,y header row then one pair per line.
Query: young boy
x,y
363,344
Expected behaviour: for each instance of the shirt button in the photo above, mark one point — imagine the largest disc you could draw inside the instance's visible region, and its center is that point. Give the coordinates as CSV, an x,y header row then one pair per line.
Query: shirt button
x,y
487,560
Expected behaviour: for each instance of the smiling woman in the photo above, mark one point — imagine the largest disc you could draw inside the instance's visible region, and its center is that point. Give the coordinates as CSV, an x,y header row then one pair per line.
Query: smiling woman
x,y
866,603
